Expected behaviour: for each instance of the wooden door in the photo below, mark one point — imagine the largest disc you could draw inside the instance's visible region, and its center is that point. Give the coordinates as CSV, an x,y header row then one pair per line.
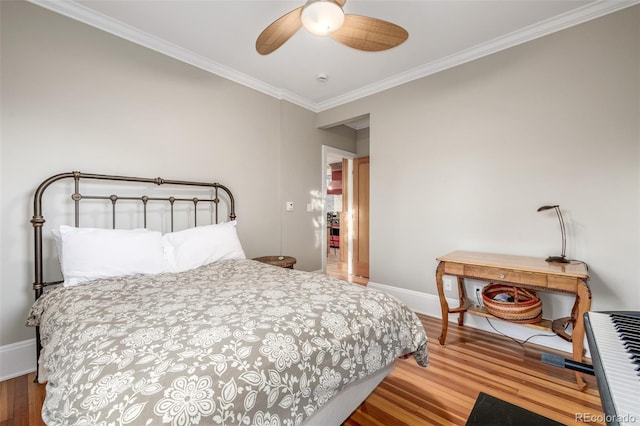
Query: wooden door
x,y
344,215
361,216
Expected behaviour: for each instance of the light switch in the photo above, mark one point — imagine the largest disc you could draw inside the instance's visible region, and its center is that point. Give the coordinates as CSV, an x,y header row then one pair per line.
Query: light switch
x,y
289,206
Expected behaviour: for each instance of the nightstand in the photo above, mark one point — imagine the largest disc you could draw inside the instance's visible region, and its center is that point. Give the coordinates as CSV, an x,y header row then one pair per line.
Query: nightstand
x,y
281,261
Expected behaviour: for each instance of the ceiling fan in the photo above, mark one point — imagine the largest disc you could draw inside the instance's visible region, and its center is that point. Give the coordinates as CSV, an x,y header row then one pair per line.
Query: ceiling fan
x,y
326,17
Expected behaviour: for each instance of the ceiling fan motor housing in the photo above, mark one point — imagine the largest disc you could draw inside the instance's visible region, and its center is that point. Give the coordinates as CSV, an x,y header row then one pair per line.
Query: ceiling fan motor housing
x,y
322,17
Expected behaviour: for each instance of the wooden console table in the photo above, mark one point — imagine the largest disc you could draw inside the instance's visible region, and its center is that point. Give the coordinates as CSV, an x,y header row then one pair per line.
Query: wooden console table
x,y
527,272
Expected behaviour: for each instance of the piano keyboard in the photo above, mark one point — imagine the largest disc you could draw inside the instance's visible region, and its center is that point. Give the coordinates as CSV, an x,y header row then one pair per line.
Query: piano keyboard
x,y
614,341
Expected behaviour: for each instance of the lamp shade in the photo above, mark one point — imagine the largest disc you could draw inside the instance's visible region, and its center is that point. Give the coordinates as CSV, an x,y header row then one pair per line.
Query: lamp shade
x,y
322,17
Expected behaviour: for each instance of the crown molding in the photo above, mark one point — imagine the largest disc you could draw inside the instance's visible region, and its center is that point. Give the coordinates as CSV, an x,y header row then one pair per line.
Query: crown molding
x,y
78,12
88,16
549,26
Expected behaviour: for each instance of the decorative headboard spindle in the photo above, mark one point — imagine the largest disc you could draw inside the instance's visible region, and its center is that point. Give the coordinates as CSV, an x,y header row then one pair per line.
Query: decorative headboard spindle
x,y
38,219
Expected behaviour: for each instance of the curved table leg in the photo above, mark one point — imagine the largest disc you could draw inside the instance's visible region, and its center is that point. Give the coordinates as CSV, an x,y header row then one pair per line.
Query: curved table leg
x,y
582,306
443,303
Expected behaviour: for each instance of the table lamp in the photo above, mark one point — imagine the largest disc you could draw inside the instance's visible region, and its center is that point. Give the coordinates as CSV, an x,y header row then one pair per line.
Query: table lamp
x,y
561,258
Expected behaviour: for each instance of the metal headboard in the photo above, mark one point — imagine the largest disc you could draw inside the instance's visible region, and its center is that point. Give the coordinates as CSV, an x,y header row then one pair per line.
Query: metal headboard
x,y
38,219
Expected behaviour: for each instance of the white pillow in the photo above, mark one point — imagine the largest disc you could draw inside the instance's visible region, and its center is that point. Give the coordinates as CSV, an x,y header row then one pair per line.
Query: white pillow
x,y
88,254
195,247
57,239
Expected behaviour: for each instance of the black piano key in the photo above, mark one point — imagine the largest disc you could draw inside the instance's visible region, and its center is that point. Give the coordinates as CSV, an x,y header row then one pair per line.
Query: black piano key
x,y
633,316
633,350
628,331
626,318
629,325
627,321
626,326
630,341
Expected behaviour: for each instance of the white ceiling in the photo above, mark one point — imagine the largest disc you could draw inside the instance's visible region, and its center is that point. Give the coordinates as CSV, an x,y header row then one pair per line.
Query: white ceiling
x,y
219,36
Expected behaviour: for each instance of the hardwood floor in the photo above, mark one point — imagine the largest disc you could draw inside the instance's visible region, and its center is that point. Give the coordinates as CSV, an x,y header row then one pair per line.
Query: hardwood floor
x,y
21,401
339,270
476,361
441,394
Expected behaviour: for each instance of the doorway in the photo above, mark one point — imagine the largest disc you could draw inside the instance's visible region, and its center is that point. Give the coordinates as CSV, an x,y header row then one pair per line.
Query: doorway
x,y
336,184
341,249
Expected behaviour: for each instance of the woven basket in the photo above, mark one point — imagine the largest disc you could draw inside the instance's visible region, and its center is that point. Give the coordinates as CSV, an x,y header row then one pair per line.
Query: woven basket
x,y
526,307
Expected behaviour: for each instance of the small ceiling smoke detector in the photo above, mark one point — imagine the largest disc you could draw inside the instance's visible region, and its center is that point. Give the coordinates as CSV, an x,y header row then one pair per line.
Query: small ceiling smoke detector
x,y
322,77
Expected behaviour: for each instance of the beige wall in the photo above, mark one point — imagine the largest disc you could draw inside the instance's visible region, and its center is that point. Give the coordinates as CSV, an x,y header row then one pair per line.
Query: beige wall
x,y
300,174
463,158
76,98
362,142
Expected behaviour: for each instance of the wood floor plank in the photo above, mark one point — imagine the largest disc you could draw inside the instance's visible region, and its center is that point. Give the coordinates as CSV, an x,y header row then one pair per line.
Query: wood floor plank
x,y
362,418
37,393
7,393
21,402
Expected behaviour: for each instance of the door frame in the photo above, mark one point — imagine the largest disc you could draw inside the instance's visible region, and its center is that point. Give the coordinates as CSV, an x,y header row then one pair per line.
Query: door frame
x,y
326,152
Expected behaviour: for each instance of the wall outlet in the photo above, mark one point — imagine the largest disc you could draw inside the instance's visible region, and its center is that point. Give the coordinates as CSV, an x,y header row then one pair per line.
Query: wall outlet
x,y
447,283
477,294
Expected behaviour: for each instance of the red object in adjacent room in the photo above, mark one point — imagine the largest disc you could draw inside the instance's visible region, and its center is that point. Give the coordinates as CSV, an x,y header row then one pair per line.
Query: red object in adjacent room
x,y
335,186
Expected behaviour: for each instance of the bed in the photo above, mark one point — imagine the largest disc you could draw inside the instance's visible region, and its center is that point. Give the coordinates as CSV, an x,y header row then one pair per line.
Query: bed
x,y
217,340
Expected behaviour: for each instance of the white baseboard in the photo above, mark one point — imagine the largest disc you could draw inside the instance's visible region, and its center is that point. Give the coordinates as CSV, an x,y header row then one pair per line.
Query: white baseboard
x,y
17,359
429,304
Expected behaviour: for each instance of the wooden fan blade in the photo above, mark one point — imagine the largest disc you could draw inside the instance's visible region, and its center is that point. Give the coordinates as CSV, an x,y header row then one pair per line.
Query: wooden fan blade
x,y
369,34
341,2
279,31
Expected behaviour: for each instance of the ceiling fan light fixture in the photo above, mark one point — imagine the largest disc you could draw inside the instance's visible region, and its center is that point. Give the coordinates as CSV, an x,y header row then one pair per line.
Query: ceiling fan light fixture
x,y
327,18
322,17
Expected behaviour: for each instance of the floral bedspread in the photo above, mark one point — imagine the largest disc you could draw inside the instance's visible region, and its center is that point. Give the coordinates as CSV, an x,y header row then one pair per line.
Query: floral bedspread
x,y
234,342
